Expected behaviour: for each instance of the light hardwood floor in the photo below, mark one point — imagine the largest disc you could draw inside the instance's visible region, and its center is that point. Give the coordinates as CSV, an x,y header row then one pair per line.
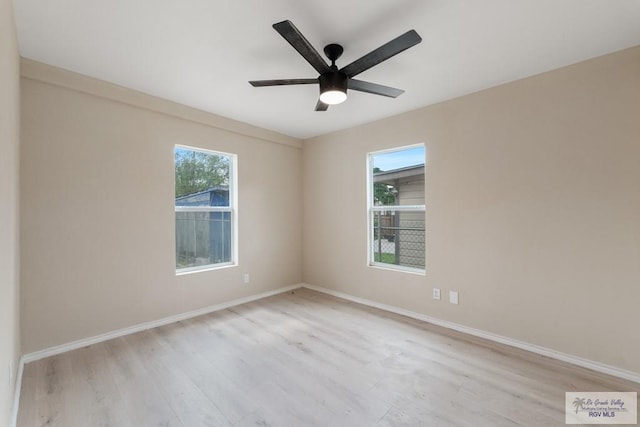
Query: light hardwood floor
x,y
297,359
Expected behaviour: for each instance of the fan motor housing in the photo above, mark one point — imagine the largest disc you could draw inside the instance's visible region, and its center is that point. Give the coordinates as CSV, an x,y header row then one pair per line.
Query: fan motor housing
x,y
333,80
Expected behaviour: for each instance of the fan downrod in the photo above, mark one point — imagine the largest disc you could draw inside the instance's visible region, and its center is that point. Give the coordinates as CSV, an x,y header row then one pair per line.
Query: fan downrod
x,y
333,52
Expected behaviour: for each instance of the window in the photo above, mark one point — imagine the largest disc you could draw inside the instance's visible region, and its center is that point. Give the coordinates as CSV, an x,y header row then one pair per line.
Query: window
x,y
205,209
396,213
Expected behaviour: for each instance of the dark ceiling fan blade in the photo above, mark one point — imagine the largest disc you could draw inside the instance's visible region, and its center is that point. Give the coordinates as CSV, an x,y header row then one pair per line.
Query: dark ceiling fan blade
x,y
283,82
321,106
302,45
384,52
374,88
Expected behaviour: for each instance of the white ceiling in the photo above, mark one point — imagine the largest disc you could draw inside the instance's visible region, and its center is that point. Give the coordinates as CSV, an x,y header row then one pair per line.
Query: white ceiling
x,y
202,53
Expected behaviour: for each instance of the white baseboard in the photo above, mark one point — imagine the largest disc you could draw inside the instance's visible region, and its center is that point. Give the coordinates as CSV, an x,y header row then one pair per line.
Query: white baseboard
x,y
51,351
575,360
16,395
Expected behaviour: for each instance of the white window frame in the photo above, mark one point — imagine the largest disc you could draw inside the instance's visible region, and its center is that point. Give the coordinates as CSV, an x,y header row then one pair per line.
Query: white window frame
x,y
371,208
232,209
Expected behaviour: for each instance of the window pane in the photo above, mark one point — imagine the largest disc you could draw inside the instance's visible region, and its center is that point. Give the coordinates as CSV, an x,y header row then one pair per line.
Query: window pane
x,y
393,171
202,179
202,238
398,238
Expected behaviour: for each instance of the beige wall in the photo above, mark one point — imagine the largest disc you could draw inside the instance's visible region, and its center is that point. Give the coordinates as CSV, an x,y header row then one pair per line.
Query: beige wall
x,y
9,228
97,208
533,210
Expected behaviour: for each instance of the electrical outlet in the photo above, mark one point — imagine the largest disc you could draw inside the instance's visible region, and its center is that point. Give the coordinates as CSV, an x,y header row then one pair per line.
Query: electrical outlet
x,y
453,297
436,293
246,278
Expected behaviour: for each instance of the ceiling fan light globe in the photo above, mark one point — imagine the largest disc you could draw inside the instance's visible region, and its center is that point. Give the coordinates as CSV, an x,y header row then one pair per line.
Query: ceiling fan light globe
x,y
333,97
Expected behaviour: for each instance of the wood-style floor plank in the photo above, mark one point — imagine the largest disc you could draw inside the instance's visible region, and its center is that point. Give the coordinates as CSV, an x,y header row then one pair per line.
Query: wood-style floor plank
x,y
301,358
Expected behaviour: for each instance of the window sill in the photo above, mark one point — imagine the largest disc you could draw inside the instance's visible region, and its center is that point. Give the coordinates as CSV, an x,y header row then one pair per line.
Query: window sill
x,y
200,269
390,267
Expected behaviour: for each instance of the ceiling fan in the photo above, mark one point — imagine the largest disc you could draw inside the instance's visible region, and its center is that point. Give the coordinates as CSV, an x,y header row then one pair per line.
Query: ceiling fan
x,y
334,82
